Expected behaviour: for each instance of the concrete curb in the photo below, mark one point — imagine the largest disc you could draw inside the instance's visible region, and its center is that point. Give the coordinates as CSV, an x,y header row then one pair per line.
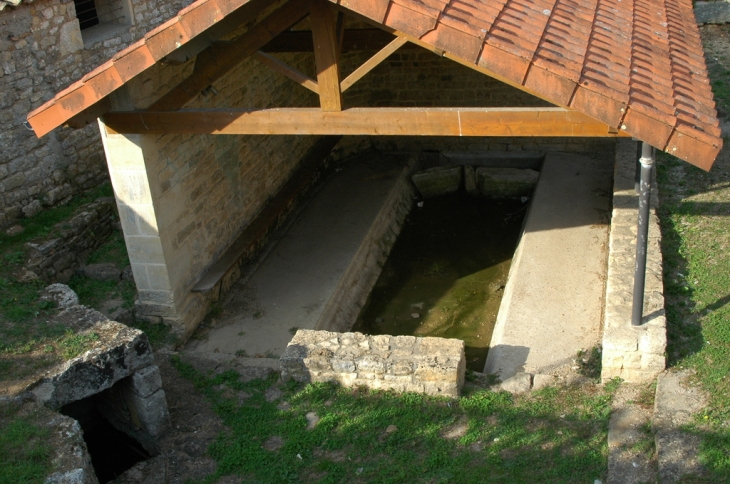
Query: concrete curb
x,y
675,404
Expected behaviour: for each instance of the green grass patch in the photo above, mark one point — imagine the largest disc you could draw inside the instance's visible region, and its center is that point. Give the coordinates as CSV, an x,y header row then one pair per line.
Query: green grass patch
x,y
555,435
695,223
25,457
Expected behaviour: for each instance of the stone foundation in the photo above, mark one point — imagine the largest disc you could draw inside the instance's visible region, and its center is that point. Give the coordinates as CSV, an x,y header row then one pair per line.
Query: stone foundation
x,y
55,258
118,372
434,366
634,353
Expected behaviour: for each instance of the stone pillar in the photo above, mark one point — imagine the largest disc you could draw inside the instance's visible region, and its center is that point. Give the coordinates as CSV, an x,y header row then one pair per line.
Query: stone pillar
x,y
126,156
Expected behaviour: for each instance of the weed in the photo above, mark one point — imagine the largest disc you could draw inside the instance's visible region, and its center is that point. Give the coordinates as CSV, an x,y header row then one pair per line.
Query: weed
x,y
15,257
241,354
589,363
24,455
73,345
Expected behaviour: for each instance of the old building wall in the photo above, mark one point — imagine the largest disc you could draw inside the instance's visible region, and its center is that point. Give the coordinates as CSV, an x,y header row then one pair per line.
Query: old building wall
x,y
42,51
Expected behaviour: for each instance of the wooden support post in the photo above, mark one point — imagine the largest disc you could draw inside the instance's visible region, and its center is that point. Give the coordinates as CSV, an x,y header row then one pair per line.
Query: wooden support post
x,y
324,36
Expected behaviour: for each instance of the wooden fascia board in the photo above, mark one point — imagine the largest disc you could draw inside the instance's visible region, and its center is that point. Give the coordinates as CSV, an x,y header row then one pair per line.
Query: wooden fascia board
x,y
520,122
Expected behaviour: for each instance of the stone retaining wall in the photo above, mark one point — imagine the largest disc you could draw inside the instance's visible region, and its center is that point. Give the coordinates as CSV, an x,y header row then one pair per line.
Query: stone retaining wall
x,y
434,366
43,50
55,258
634,353
362,273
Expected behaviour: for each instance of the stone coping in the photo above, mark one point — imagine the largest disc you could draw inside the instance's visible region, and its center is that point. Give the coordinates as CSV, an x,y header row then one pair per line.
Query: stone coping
x,y
633,353
434,366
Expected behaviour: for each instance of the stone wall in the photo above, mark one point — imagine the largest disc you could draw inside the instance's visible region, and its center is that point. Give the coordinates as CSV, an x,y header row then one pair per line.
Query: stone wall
x,y
434,366
42,51
634,353
183,200
118,373
56,257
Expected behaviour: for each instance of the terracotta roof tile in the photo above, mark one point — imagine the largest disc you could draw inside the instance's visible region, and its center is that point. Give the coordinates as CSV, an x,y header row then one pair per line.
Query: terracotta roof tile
x,y
636,66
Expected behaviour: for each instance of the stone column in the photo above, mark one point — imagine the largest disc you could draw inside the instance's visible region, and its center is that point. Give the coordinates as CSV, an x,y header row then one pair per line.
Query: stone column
x,y
126,157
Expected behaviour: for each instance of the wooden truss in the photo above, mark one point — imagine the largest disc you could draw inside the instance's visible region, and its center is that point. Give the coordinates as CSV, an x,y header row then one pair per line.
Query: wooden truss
x,y
327,40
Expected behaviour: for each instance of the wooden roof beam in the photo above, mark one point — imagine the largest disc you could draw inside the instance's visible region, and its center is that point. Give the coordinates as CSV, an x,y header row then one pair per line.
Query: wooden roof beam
x,y
527,122
221,58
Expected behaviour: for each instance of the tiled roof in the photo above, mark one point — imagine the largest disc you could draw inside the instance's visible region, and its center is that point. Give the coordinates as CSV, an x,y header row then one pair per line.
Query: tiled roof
x,y
636,66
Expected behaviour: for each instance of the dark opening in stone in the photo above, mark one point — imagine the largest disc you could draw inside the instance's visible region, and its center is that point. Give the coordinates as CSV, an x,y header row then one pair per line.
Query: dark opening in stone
x,y
112,451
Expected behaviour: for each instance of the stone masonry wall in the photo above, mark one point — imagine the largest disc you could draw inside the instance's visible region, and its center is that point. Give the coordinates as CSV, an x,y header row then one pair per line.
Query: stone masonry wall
x,y
434,366
41,52
634,353
55,258
188,197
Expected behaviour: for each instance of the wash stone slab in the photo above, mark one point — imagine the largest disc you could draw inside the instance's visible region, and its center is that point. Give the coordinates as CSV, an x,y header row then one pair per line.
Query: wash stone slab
x,y
553,299
320,270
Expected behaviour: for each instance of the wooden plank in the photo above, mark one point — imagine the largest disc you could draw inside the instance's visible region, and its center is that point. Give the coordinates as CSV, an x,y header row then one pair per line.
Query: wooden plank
x,y
324,37
288,71
373,62
221,58
525,122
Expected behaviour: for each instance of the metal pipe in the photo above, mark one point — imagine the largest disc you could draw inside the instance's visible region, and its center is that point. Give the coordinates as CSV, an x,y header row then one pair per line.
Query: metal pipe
x,y
642,234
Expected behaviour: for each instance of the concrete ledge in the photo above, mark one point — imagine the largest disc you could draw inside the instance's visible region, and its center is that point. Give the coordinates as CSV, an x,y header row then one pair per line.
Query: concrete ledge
x,y
434,366
552,303
634,353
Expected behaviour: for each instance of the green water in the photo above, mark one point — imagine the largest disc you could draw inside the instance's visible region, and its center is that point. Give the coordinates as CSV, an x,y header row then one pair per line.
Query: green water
x,y
446,273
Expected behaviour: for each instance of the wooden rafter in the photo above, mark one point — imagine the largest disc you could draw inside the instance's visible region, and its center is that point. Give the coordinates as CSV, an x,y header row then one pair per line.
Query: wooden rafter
x,y
326,54
526,122
373,62
221,58
286,70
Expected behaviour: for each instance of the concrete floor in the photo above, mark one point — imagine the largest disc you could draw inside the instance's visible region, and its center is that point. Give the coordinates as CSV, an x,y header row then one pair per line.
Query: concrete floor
x,y
297,278
553,302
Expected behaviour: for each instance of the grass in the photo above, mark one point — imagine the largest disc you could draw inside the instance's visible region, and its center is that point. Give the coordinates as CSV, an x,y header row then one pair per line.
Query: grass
x,y
25,457
28,341
694,216
555,435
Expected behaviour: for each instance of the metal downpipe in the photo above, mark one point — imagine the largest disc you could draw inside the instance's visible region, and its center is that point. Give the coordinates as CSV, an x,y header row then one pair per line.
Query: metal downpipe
x,y
642,235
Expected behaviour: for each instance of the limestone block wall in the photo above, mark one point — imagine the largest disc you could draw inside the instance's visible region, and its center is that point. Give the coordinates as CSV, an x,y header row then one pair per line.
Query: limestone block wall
x,y
55,258
634,353
42,51
434,366
184,199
